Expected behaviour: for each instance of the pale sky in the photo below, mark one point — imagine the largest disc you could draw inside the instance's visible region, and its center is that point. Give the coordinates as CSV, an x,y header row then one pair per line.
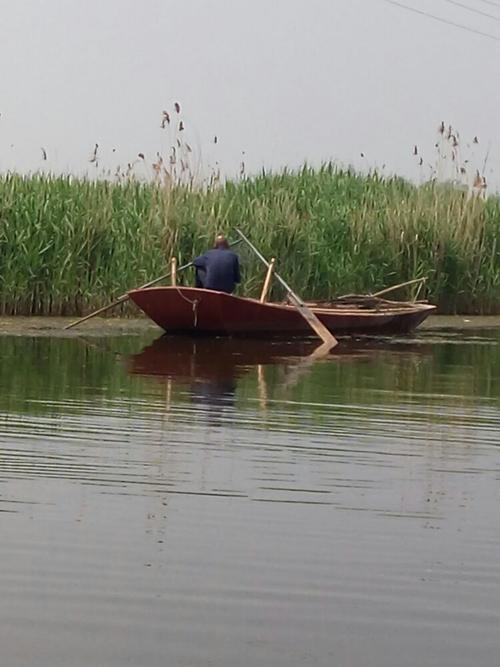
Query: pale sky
x,y
282,80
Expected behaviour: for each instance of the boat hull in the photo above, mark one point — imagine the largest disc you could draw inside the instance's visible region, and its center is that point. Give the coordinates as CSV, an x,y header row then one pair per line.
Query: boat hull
x,y
207,312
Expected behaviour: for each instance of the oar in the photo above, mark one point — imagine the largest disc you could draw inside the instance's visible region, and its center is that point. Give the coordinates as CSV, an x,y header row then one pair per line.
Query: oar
x,y
316,325
125,297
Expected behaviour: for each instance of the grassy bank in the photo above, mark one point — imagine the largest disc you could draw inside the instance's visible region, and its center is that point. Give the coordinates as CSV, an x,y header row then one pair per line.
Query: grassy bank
x,y
68,246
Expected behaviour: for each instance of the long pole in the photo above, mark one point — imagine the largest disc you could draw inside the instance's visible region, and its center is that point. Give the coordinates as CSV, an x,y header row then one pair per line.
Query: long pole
x,y
125,297
316,325
395,287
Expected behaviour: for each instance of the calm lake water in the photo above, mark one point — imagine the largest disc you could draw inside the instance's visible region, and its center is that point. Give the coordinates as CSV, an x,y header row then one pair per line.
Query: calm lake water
x,y
227,504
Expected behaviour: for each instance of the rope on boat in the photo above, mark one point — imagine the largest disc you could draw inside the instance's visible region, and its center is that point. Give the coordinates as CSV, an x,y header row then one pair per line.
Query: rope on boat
x,y
194,305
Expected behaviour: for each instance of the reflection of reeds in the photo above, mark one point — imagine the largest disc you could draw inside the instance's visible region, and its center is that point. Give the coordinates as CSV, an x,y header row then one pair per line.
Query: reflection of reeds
x,y
62,370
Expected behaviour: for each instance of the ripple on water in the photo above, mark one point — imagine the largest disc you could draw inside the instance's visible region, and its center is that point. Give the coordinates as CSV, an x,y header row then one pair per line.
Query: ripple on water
x,y
348,518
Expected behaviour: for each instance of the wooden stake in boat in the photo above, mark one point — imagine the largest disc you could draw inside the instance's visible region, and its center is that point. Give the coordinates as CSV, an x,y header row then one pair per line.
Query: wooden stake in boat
x,y
267,281
316,325
125,297
173,271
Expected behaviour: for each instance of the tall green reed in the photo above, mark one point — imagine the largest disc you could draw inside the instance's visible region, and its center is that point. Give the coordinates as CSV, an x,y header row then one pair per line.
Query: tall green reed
x,y
68,245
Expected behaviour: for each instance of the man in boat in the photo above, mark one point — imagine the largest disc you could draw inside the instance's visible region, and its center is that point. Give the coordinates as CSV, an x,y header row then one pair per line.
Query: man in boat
x,y
219,268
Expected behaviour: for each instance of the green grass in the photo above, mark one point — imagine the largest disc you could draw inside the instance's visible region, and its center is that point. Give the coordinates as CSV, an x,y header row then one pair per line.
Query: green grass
x,y
68,246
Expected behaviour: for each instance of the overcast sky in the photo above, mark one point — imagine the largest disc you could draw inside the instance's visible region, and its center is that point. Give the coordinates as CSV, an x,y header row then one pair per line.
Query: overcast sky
x,y
283,81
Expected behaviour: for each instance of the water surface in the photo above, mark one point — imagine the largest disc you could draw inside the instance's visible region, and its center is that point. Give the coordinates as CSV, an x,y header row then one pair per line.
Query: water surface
x,y
180,502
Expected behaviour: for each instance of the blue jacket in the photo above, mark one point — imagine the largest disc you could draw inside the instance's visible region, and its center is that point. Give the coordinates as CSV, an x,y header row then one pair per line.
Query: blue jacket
x,y
218,269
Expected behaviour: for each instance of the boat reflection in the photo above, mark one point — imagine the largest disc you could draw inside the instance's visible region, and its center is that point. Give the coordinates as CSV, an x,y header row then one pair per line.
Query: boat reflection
x,y
216,359
210,368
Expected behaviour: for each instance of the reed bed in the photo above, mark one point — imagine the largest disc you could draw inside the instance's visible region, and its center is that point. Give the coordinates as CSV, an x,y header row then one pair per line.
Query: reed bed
x,y
68,246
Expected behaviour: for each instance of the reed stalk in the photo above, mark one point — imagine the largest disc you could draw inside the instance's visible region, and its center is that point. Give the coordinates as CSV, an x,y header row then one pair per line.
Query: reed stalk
x,y
69,246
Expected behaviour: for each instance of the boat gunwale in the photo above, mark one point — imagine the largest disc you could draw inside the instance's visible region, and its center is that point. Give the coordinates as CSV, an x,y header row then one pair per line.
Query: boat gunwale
x,y
399,308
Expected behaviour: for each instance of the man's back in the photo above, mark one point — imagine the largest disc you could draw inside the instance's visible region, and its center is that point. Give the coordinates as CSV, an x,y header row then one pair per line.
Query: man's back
x,y
221,268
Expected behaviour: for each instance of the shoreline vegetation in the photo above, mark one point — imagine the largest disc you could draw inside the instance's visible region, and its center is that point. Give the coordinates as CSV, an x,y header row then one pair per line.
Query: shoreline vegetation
x,y
69,246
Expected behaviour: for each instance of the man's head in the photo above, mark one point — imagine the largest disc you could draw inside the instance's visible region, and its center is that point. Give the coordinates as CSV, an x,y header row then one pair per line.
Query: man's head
x,y
221,242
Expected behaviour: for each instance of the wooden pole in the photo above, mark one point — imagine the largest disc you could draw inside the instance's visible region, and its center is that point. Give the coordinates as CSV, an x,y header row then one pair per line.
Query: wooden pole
x,y
125,297
261,383
316,325
173,271
395,287
267,281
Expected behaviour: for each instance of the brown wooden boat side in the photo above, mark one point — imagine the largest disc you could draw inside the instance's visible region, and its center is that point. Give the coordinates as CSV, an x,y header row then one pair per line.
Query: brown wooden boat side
x,y
189,309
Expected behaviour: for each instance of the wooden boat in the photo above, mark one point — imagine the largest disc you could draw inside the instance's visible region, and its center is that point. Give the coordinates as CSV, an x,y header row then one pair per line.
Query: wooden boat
x,y
207,312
